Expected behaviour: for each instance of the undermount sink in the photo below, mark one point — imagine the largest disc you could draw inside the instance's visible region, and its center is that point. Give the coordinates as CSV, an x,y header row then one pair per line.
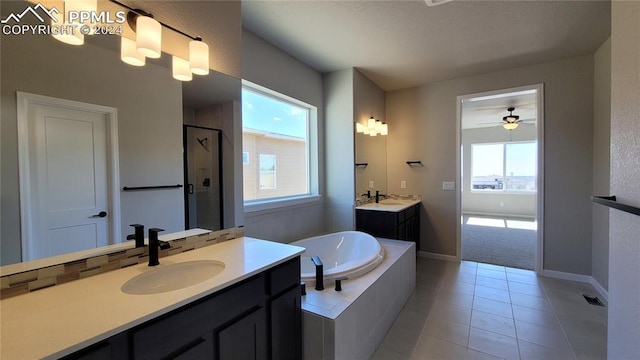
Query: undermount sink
x,y
390,202
164,278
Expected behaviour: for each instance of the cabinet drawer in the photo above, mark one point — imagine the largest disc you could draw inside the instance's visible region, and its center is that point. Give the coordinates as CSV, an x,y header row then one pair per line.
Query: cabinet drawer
x,y
174,331
284,276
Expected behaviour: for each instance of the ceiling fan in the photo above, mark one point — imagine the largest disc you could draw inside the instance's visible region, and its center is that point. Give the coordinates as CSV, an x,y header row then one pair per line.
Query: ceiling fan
x,y
510,122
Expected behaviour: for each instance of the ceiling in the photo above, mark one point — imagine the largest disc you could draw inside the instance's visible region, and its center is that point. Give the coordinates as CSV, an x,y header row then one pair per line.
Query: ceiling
x,y
488,111
401,44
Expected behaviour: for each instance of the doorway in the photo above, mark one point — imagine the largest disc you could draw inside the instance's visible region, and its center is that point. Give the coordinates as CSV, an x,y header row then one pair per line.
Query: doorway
x,y
68,165
202,177
500,166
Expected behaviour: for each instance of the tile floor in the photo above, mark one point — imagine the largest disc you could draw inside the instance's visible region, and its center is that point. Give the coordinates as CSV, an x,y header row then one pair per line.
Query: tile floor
x,y
473,310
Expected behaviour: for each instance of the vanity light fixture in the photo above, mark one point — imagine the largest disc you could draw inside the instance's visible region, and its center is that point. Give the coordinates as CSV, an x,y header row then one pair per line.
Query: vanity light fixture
x,y
73,36
148,36
384,130
199,57
371,123
129,54
373,128
360,129
181,70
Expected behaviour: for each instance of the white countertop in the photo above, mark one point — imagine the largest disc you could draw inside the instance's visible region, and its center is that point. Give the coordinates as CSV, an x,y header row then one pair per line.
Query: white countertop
x,y
391,205
84,254
62,319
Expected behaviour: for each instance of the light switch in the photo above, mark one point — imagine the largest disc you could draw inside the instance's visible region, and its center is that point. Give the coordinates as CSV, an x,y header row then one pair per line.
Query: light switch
x,y
403,184
370,184
448,185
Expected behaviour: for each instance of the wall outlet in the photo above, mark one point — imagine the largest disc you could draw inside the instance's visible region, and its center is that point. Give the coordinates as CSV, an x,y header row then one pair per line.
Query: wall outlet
x,y
403,184
370,184
448,185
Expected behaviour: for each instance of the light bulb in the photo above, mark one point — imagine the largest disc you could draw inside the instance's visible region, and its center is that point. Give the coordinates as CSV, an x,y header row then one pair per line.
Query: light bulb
x,y
384,130
181,69
66,33
148,37
199,57
371,124
129,54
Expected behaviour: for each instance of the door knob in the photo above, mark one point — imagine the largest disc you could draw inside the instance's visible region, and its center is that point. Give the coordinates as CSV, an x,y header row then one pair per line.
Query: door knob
x,y
101,214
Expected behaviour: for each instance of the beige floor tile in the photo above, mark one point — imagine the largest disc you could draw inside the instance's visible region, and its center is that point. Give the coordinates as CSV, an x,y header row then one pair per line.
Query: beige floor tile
x,y
448,331
530,351
478,355
494,323
531,301
495,307
496,274
533,290
552,338
491,267
433,348
454,297
461,287
401,340
493,294
383,353
451,312
494,344
535,316
522,278
492,283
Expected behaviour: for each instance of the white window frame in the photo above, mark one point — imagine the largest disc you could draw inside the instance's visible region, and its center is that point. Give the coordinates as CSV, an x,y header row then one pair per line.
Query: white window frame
x,y
312,157
504,169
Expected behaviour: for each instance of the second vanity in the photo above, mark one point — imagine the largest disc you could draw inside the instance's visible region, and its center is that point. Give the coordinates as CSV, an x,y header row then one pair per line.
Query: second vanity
x,y
391,218
249,309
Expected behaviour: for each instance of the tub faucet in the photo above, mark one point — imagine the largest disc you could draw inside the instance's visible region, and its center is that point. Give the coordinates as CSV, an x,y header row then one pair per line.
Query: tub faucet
x,y
319,272
138,235
154,244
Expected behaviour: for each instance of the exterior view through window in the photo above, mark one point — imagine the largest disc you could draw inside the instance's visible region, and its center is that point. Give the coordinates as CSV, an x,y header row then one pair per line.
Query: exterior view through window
x,y
275,132
504,166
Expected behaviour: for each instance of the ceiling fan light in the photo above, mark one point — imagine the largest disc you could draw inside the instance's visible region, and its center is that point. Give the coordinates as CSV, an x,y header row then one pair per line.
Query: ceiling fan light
x,y
510,125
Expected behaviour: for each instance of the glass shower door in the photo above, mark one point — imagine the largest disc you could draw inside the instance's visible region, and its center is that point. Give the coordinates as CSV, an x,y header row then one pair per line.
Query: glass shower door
x,y
203,177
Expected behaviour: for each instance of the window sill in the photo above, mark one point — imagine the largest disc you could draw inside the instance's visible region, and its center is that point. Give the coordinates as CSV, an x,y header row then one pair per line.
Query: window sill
x,y
271,204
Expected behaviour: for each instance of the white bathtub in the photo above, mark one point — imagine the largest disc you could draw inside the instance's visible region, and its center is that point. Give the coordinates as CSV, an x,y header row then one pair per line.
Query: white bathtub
x,y
346,253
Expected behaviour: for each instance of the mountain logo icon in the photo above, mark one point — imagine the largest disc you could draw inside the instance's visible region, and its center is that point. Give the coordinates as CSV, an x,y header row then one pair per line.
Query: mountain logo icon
x,y
34,10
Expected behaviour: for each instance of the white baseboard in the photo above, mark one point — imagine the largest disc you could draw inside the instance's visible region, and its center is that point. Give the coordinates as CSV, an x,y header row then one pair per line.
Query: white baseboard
x,y
579,278
436,256
600,289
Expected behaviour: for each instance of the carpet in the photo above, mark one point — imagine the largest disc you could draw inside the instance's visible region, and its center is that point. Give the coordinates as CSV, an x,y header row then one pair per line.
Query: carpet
x,y
499,241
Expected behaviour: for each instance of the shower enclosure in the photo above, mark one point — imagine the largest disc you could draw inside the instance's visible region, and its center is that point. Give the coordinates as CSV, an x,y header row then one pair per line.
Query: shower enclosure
x,y
202,177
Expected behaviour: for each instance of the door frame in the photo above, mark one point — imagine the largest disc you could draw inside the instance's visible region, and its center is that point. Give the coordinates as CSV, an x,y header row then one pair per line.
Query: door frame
x,y
23,100
539,249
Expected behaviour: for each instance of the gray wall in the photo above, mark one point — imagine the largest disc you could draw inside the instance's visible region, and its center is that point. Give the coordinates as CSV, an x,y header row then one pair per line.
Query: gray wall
x,y
268,66
339,149
499,203
624,245
601,161
149,104
425,118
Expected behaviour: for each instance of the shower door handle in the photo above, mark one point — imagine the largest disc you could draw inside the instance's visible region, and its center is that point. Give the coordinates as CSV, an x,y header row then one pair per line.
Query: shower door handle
x,y
190,189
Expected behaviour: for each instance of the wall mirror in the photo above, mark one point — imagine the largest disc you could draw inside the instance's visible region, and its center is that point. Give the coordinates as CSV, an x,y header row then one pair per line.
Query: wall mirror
x,y
151,113
371,164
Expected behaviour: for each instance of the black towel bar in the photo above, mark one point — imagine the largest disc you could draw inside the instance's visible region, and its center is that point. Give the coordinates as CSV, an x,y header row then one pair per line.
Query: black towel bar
x,y
611,201
362,164
134,188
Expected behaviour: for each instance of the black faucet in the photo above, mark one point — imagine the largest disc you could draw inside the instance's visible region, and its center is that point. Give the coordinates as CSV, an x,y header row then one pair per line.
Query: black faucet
x,y
154,244
378,196
138,235
319,272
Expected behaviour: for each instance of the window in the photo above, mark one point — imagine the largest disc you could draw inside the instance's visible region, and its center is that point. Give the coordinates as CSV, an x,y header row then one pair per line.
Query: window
x,y
267,171
504,166
276,131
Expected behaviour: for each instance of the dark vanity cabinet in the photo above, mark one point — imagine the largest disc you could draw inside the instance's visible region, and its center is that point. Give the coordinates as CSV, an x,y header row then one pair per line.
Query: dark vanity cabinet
x,y
399,225
258,318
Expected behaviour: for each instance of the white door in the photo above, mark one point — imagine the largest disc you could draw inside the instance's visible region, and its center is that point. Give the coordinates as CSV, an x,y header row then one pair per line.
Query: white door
x,y
65,176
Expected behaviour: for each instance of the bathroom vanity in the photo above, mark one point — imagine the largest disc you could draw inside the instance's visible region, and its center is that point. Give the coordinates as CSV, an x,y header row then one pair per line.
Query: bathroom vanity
x,y
249,310
391,218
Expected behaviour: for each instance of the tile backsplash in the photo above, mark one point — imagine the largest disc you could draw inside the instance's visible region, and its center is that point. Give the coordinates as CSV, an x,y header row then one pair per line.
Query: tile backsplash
x,y
28,281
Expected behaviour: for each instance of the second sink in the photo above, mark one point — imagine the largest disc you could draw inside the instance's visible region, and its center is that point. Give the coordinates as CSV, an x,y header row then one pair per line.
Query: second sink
x,y
172,277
